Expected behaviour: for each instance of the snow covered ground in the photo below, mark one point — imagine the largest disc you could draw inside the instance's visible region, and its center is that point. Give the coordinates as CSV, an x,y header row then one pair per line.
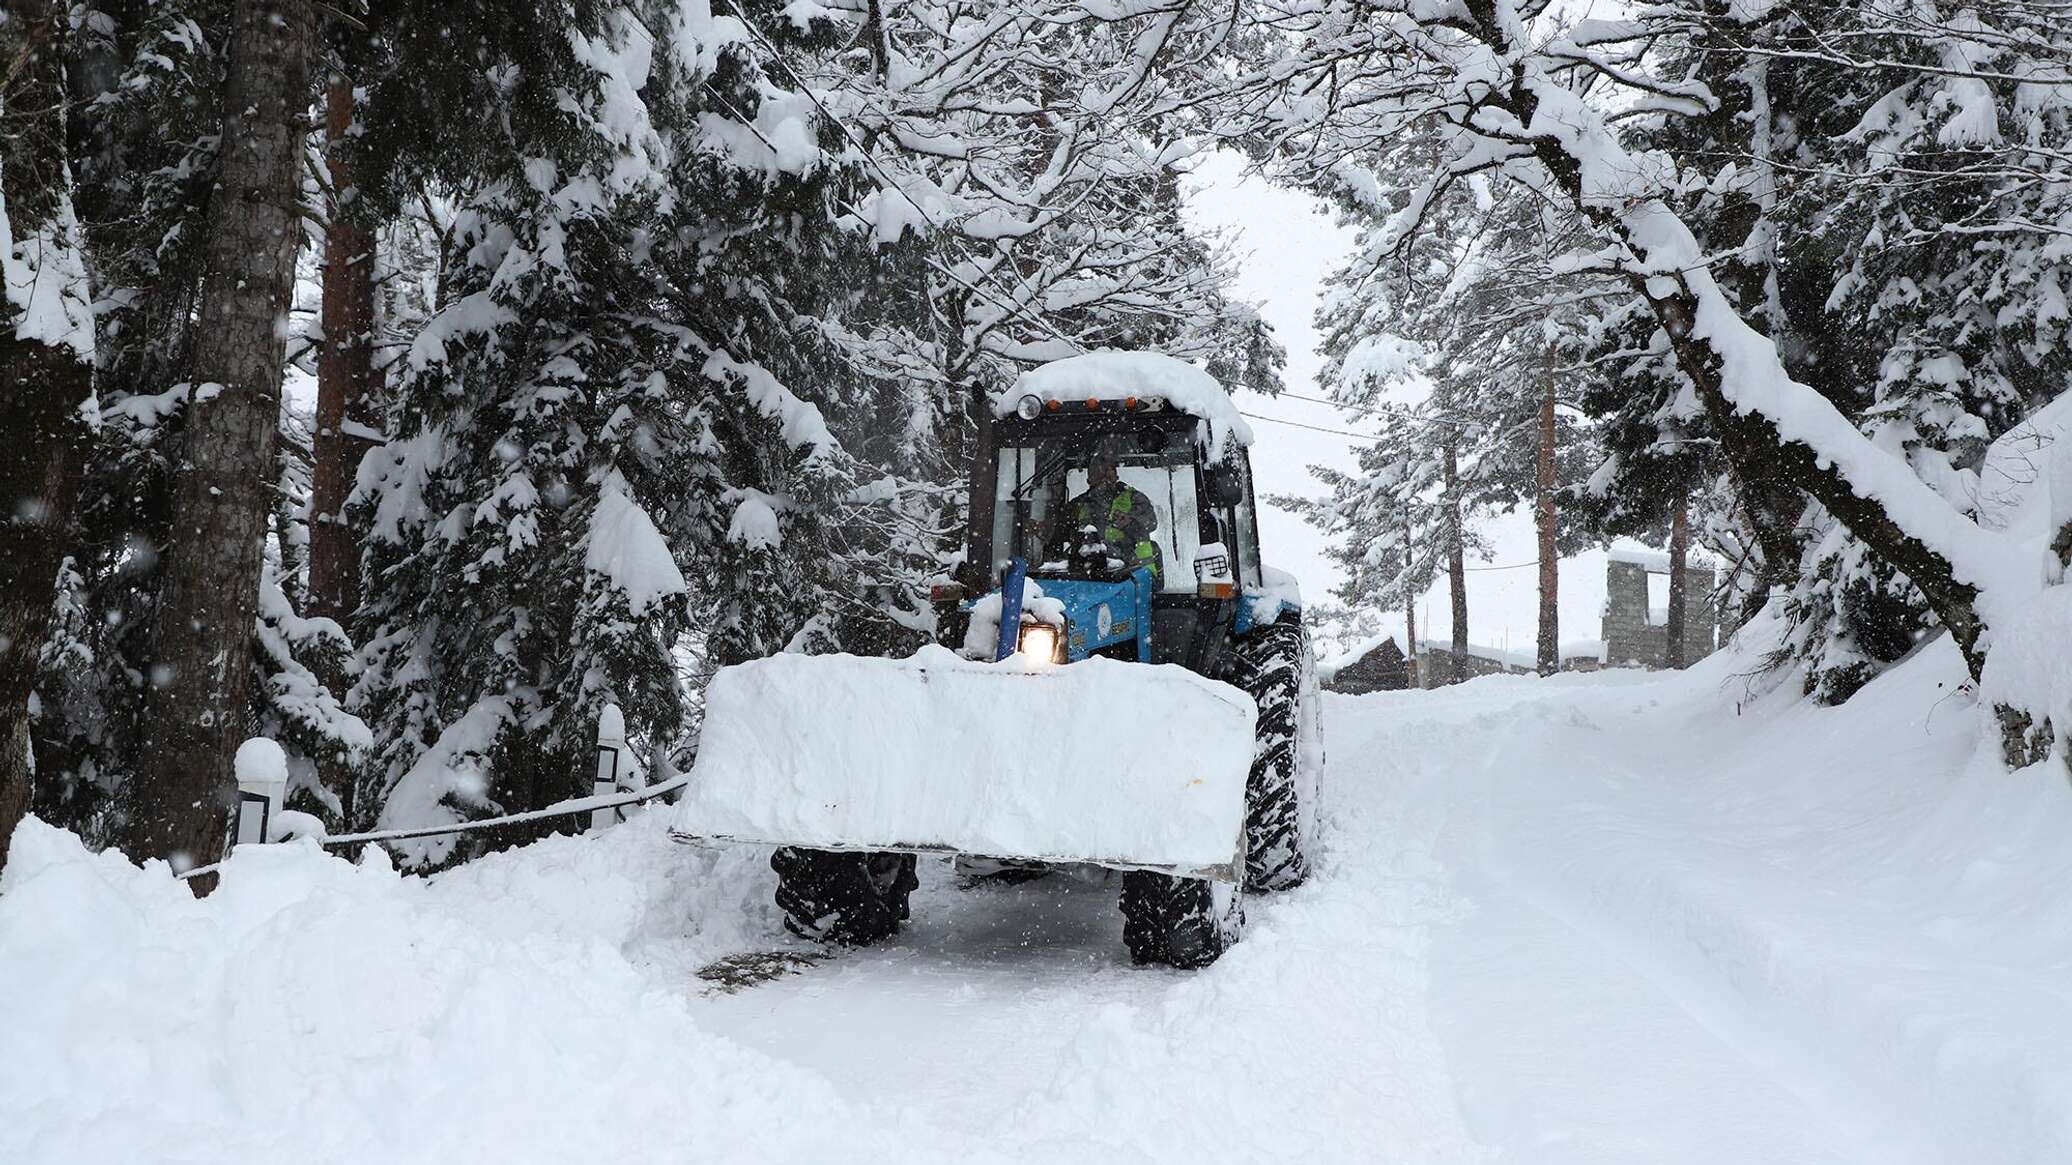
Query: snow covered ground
x,y
1607,918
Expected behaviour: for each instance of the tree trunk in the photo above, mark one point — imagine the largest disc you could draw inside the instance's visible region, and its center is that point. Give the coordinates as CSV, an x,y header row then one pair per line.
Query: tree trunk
x,y
1550,559
348,412
1410,660
46,376
1740,125
1674,653
198,711
1456,562
348,407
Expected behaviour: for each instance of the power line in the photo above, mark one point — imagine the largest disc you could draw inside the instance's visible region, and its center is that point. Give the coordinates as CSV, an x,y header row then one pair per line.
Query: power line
x,y
1404,411
1311,428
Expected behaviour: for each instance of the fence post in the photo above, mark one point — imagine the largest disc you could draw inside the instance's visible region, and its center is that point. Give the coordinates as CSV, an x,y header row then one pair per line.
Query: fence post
x,y
262,788
611,746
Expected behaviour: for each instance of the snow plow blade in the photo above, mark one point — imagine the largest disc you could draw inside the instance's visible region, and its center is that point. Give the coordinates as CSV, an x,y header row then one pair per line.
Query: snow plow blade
x,y
1126,765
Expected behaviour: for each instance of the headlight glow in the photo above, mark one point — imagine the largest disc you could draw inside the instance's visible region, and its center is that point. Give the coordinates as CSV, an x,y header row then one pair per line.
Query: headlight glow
x,y
1039,643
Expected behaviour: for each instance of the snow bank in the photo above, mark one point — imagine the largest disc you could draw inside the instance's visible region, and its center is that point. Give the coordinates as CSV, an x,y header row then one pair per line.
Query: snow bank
x,y
531,1006
1858,903
2029,672
1108,374
1119,764
1652,560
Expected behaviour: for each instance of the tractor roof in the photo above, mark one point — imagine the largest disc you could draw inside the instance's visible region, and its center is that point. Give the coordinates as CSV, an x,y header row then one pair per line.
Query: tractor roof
x,y
1112,375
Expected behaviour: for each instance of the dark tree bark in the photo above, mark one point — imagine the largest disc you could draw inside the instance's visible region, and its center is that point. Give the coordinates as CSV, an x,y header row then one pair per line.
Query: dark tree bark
x,y
1544,516
348,404
1456,562
198,711
46,386
348,395
1674,653
1411,664
1736,126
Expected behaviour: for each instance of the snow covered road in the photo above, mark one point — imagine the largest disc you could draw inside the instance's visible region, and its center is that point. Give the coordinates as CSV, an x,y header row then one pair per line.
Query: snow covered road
x,y
1601,919
1013,1013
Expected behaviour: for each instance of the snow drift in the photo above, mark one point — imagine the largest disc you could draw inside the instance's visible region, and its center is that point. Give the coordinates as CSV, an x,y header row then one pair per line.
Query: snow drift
x,y
315,1010
1125,765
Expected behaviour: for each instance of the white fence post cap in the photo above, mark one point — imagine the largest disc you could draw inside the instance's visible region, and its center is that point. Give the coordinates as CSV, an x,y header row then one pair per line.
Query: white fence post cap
x,y
262,788
261,765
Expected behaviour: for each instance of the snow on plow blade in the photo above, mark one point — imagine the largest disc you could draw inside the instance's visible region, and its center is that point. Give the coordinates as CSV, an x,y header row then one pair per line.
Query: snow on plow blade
x,y
1126,765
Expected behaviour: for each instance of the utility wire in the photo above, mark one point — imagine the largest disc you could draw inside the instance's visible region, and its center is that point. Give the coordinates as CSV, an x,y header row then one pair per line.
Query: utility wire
x,y
1311,428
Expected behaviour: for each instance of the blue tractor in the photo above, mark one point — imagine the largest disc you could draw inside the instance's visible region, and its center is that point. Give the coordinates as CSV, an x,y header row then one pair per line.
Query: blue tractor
x,y
1112,517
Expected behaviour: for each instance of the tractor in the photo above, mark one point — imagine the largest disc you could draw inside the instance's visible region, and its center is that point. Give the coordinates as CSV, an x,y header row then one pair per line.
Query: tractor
x,y
1119,681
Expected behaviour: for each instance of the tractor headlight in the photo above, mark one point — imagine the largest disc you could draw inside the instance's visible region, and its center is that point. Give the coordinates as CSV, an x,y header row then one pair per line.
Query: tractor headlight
x,y
1040,643
1028,408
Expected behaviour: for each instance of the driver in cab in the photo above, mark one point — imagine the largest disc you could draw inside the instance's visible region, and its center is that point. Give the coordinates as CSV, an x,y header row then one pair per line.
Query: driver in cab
x,y
1110,519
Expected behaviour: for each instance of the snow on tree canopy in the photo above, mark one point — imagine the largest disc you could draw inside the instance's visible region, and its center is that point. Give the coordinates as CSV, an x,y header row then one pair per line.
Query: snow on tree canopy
x,y
626,548
43,280
1108,374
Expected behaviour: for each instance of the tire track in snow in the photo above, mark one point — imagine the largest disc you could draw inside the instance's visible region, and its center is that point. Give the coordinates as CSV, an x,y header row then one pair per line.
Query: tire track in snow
x,y
1012,1014
1694,853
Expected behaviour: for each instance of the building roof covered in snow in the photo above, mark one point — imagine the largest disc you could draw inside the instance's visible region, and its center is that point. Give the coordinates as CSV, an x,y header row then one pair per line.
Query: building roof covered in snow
x,y
1380,668
1654,561
1108,374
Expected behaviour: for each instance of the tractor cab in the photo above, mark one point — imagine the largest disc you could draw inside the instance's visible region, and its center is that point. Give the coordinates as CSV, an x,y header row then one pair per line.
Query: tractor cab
x,y
1118,484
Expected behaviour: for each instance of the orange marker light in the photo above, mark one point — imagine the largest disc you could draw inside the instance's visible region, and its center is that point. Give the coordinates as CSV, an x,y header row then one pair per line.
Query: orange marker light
x,y
1129,402
1092,404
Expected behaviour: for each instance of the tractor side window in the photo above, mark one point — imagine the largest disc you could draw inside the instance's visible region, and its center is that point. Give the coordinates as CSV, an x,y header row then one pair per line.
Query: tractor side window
x,y
1249,574
1021,507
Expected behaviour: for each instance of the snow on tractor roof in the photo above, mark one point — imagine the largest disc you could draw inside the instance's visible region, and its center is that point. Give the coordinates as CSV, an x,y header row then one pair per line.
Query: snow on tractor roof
x,y
1112,375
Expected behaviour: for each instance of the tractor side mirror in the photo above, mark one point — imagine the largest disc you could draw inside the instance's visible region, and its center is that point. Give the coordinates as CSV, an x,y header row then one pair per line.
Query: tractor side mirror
x,y
1225,487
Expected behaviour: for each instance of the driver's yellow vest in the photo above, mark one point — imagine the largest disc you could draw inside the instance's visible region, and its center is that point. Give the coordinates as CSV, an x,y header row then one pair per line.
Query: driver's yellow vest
x,y
1115,530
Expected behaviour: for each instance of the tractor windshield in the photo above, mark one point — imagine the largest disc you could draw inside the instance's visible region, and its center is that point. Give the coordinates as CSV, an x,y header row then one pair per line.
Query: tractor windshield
x,y
1043,482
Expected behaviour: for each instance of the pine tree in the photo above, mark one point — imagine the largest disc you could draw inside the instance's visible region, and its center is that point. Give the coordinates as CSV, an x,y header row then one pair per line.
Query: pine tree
x,y
145,116
1472,316
47,400
1376,81
179,802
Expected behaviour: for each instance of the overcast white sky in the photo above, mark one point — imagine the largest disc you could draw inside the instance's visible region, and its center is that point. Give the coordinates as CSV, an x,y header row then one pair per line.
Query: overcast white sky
x,y
1288,245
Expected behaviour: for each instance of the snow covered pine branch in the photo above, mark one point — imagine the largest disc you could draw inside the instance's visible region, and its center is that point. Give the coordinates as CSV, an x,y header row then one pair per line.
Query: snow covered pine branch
x,y
1503,90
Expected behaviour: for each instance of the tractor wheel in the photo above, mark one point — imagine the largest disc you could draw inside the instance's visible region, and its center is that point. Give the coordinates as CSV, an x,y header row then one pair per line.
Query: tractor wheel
x,y
1276,667
1179,922
851,899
